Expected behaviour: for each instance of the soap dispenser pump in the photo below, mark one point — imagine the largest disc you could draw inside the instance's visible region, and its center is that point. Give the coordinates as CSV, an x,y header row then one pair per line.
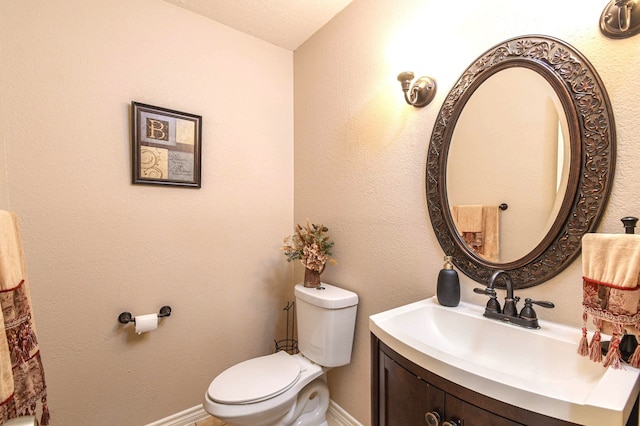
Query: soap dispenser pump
x,y
448,287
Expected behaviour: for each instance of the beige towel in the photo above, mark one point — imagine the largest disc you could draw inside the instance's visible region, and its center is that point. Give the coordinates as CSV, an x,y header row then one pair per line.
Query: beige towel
x,y
492,233
479,227
22,383
611,290
612,259
469,218
10,276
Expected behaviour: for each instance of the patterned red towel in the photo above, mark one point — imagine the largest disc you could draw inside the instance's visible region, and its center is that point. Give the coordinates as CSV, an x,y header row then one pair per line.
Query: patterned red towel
x,y
22,383
611,292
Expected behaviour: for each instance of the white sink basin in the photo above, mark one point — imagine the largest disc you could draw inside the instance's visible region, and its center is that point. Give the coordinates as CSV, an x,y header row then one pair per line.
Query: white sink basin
x,y
538,370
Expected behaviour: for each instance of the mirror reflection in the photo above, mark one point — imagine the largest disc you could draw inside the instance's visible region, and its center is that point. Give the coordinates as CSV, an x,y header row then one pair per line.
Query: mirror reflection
x,y
511,139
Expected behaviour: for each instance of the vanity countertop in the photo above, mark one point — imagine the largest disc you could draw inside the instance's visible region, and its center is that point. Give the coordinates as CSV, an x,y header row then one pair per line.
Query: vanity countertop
x,y
538,370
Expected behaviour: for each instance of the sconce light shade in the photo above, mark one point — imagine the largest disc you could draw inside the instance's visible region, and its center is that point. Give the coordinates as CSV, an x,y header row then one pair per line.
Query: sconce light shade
x,y
421,92
620,19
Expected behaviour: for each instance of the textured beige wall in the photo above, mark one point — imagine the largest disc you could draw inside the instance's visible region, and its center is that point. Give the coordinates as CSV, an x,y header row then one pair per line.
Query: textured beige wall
x,y
97,245
360,151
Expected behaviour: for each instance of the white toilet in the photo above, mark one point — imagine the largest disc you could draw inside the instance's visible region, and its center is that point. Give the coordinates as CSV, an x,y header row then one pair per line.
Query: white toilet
x,y
282,389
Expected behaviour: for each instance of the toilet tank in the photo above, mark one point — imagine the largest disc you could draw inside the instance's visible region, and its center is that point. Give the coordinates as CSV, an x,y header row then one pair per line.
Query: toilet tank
x,y
326,318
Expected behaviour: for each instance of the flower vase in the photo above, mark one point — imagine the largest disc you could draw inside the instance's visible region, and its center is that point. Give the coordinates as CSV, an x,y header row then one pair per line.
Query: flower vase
x,y
311,278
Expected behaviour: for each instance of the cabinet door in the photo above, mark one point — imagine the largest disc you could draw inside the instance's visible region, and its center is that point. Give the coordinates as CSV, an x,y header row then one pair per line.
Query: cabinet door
x,y
405,399
457,409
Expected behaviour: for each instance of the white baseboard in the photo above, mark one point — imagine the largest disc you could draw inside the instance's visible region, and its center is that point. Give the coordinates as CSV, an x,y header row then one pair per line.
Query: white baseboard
x,y
195,414
340,416
183,418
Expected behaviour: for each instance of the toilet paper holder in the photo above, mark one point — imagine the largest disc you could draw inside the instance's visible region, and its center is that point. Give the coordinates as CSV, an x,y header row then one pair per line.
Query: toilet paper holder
x,y
126,317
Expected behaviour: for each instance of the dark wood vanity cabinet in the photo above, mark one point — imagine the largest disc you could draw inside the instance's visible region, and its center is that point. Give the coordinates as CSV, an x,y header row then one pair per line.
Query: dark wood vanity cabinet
x,y
411,400
407,398
405,394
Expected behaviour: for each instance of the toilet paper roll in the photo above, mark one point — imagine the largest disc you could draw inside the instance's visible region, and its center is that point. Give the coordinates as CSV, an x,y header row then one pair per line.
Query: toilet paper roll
x,y
146,323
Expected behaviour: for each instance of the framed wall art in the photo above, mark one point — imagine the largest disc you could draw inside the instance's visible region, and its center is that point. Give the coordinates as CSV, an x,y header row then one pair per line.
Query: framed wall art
x,y
166,146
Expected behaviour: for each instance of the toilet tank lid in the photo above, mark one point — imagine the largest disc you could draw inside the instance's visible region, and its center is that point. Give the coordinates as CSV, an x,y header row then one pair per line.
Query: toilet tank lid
x,y
326,296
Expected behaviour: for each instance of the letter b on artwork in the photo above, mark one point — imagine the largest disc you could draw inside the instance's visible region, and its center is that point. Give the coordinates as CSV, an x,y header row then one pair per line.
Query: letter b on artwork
x,y
157,129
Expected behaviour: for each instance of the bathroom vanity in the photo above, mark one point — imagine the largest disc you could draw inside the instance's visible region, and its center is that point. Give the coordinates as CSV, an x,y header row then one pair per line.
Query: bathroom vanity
x,y
403,393
432,364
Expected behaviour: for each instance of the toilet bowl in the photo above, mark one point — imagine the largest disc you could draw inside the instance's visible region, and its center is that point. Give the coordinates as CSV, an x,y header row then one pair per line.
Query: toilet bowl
x,y
282,389
270,390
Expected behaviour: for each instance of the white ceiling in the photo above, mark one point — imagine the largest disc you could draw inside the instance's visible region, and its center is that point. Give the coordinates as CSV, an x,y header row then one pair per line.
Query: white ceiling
x,y
285,23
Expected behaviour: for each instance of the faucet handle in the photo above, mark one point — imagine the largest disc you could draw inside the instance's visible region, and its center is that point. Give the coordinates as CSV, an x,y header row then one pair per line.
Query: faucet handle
x,y
492,305
527,311
486,291
543,303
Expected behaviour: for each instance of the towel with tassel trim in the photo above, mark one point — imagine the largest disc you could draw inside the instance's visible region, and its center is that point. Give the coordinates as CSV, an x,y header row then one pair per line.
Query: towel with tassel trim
x,y
611,293
22,384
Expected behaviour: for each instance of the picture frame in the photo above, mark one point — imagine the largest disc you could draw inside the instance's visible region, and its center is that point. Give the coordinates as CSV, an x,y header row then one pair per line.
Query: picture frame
x,y
167,146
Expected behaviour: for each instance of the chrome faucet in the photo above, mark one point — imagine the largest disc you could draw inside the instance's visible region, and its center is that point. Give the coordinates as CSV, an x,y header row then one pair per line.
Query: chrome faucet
x,y
527,317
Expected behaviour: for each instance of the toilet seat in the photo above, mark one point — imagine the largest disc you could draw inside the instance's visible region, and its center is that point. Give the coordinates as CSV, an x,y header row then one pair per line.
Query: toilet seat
x,y
255,380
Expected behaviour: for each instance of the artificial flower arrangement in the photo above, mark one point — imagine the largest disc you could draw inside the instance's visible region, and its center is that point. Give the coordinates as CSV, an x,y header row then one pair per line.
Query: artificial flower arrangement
x,y
309,245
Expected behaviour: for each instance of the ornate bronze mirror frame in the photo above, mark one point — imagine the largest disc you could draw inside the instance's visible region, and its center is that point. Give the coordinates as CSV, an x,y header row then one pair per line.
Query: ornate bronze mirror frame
x,y
591,161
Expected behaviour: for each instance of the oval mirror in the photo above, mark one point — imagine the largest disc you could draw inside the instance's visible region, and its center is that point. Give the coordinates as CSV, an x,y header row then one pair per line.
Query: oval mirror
x,y
521,161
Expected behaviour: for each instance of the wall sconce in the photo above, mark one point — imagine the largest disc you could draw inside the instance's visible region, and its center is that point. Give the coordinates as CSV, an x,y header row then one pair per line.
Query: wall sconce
x,y
421,92
620,19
